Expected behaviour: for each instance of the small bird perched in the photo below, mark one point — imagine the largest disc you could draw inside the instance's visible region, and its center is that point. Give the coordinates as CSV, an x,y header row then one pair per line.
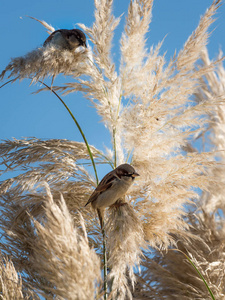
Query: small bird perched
x,y
66,39
112,187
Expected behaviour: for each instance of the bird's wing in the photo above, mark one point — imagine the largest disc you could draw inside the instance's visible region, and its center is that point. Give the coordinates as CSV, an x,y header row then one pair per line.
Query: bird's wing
x,y
98,191
48,40
51,36
106,182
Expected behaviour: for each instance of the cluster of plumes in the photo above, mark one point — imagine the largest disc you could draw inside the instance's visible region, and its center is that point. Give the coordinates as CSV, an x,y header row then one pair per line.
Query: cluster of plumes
x,y
153,119
213,85
125,241
47,61
54,252
56,162
70,266
170,275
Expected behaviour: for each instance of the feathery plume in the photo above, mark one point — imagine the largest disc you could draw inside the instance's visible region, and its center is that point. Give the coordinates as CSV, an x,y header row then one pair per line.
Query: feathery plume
x,y
11,283
171,276
213,87
62,254
125,242
50,28
43,62
37,161
157,123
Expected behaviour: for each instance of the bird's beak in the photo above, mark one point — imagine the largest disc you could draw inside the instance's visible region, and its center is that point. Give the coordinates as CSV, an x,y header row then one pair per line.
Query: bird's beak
x,y
135,174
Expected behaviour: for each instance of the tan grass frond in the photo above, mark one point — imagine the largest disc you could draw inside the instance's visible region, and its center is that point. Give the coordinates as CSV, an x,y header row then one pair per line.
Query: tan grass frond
x,y
133,41
54,156
51,239
166,185
162,103
102,86
46,61
212,87
124,242
26,151
11,283
49,27
192,48
62,254
58,162
101,35
174,277
156,124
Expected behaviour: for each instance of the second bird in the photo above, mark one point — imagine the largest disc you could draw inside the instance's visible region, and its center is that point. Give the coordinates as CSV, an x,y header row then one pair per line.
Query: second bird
x,y
66,39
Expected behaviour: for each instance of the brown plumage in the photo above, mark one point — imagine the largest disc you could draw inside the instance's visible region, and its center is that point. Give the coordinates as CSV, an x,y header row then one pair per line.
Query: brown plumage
x,y
68,39
112,187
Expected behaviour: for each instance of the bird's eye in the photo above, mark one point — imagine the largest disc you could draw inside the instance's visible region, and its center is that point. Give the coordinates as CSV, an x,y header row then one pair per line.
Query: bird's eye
x,y
128,175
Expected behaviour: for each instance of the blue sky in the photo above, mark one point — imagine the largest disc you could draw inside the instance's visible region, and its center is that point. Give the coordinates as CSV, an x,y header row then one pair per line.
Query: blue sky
x,y
24,114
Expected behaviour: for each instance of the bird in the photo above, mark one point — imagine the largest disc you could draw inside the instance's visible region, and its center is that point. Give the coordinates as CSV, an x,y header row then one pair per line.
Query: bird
x,y
112,187
66,39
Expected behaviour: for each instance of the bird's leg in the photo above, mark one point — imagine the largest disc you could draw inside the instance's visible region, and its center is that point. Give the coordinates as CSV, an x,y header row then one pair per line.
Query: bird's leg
x,y
118,203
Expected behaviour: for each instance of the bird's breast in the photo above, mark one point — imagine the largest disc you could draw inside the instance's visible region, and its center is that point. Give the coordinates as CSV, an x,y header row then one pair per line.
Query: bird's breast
x,y
110,196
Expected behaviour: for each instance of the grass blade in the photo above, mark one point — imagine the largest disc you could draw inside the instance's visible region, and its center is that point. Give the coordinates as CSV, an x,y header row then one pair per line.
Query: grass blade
x,y
199,273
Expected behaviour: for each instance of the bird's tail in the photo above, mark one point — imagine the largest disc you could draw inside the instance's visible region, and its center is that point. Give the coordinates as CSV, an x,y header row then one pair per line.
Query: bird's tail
x,y
101,213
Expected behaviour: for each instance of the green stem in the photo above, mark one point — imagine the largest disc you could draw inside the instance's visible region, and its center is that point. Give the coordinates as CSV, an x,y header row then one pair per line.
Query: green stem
x,y
114,146
105,263
93,163
74,119
199,273
79,128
